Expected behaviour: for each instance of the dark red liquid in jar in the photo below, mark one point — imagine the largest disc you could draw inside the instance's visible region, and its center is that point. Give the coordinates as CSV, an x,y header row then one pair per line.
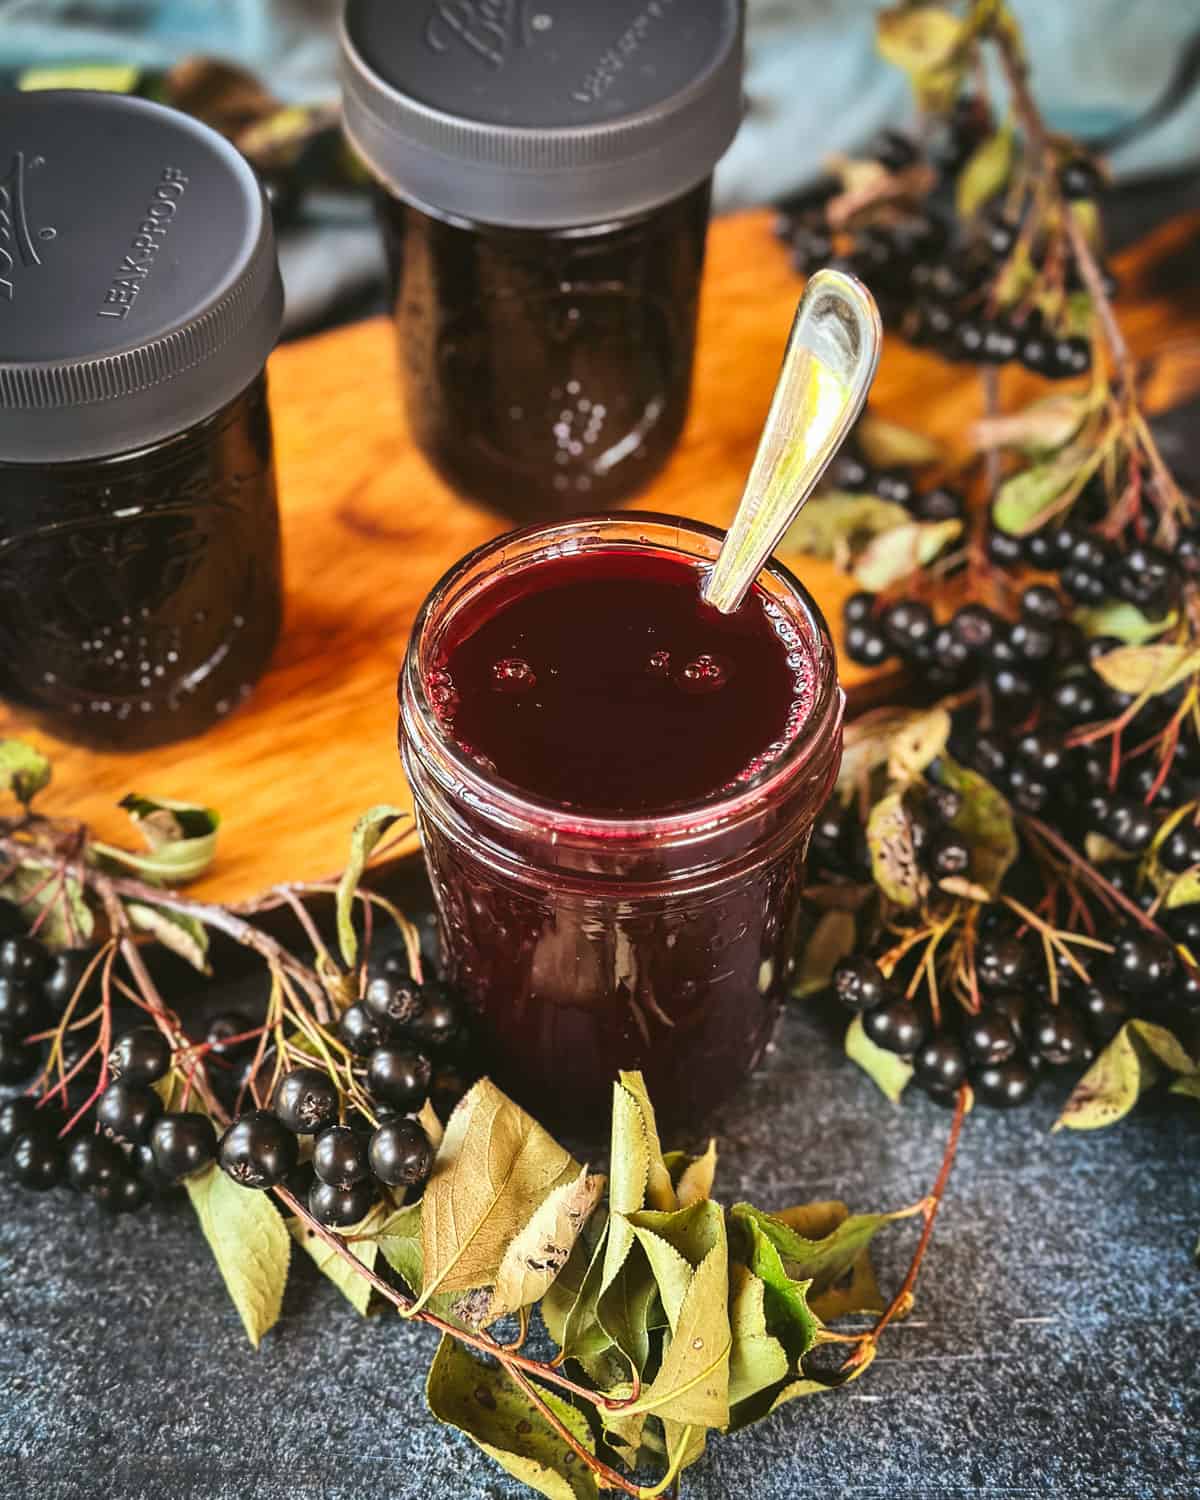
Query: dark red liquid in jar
x,y
614,787
602,681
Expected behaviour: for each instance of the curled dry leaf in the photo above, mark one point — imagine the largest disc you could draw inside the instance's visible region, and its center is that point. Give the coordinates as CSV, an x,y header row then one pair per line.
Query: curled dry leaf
x,y
893,856
367,832
1041,428
1127,1067
181,838
538,1253
177,931
834,524
894,554
888,445
917,744
1147,669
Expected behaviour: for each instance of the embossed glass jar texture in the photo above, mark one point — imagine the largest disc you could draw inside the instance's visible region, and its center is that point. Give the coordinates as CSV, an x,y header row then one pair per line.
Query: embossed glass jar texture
x,y
547,371
140,591
140,595
544,176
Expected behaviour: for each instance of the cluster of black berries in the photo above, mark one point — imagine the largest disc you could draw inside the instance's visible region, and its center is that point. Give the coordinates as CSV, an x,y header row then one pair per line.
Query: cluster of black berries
x,y
35,988
1042,661
410,1040
853,472
931,277
1020,1029
126,1147
1092,568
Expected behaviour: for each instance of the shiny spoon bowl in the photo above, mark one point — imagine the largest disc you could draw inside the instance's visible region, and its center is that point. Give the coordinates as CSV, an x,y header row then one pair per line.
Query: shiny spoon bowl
x,y
828,366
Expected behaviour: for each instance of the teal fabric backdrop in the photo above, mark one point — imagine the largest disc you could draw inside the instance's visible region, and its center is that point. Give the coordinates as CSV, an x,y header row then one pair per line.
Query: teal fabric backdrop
x,y
814,82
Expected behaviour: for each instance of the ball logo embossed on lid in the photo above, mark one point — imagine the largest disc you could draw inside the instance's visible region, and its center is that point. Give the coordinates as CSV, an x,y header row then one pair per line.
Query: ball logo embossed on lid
x,y
542,113
139,286
17,248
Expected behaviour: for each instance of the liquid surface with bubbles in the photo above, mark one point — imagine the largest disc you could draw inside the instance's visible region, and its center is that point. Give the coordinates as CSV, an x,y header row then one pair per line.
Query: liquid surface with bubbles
x,y
601,681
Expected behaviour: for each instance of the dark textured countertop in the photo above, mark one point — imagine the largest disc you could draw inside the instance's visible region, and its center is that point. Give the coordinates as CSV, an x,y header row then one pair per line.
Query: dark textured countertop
x,y
1054,1351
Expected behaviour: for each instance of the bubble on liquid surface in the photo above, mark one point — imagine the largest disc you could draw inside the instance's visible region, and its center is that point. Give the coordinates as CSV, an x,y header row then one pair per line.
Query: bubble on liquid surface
x,y
704,674
439,685
512,674
659,664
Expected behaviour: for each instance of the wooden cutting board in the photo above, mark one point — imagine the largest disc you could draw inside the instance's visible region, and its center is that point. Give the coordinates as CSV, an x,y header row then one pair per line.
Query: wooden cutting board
x,y
368,529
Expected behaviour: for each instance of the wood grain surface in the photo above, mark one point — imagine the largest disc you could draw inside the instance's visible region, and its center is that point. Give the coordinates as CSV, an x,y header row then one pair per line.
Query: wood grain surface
x,y
368,529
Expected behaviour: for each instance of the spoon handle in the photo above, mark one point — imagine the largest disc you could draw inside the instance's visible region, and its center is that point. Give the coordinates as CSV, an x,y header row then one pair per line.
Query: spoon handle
x,y
828,367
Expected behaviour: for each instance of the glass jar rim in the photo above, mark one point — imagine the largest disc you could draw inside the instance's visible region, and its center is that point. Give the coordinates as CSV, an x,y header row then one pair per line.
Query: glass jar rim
x,y
501,801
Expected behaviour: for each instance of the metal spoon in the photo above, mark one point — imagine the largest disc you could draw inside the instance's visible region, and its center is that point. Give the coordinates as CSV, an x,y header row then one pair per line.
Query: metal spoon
x,y
828,367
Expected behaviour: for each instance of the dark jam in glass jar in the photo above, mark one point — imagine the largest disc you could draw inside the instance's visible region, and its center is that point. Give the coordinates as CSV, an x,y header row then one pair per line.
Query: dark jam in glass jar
x,y
615,787
544,192
140,593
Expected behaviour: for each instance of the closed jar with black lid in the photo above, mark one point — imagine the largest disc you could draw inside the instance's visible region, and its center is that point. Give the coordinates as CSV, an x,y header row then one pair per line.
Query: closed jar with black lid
x,y
544,170
140,593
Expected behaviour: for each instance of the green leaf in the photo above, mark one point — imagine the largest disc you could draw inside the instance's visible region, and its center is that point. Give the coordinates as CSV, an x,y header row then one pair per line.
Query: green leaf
x,y
355,1288
894,866
57,909
399,1242
832,525
181,933
692,1384
569,1287
181,838
626,1309
832,938
250,1243
24,770
1028,499
756,1358
888,445
1125,621
895,554
367,832
985,820
1147,670
495,1169
918,744
887,1070
785,1299
986,172
822,1242
498,1417
1129,1065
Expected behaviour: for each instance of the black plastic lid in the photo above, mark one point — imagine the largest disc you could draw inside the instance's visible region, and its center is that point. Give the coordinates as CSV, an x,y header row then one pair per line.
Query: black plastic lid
x,y
139,287
541,113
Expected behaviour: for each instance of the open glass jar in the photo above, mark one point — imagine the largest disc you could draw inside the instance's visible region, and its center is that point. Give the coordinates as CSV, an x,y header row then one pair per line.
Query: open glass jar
x,y
140,593
590,943
544,180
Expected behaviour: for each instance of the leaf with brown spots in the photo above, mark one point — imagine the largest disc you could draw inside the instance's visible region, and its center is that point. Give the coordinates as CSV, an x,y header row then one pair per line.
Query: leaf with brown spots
x,y
498,1417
